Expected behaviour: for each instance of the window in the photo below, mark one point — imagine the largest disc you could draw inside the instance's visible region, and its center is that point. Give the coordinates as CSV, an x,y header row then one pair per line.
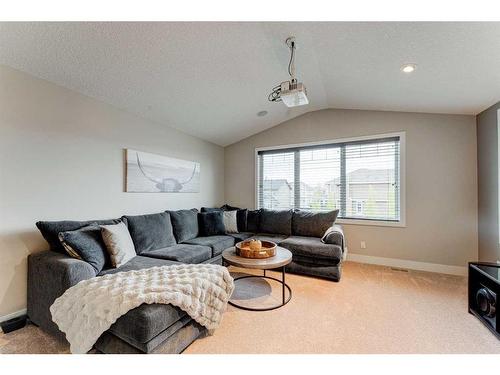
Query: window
x,y
360,177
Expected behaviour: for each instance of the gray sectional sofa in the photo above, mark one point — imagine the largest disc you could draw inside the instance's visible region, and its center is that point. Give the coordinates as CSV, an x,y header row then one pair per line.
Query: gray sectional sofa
x,y
168,238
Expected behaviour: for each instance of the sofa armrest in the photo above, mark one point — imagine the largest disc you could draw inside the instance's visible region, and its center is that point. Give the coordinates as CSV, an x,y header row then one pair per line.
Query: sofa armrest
x,y
49,275
334,236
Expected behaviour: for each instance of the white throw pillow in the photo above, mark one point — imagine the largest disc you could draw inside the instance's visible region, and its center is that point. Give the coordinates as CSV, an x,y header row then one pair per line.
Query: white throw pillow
x,y
230,221
118,242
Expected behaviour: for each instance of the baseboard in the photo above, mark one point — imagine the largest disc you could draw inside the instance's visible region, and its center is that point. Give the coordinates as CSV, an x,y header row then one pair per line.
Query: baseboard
x,y
409,264
12,315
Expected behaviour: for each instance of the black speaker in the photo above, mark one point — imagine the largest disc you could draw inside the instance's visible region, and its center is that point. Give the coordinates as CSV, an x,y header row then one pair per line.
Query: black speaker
x,y
484,287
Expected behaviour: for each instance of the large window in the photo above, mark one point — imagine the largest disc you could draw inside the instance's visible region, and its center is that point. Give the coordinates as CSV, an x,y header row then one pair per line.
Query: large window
x,y
361,178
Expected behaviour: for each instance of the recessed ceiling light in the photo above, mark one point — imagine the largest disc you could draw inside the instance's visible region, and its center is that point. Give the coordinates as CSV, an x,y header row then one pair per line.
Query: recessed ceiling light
x,y
261,113
408,68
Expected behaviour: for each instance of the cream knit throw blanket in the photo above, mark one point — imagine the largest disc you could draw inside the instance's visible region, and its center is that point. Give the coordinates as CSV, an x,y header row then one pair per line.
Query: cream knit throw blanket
x,y
89,308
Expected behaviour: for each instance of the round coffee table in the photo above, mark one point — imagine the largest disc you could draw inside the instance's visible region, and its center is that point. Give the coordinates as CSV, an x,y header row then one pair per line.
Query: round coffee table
x,y
280,260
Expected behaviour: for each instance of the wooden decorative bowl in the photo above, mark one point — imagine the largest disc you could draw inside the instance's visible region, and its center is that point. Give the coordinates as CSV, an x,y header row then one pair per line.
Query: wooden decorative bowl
x,y
267,250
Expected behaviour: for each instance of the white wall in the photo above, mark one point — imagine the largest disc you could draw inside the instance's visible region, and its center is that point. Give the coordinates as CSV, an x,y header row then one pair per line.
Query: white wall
x,y
488,123
441,179
61,157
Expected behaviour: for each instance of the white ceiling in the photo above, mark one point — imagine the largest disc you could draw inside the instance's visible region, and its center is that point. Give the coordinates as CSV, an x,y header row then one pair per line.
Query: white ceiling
x,y
211,79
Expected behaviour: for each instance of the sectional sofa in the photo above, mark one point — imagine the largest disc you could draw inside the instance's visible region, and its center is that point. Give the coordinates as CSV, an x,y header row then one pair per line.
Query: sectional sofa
x,y
166,238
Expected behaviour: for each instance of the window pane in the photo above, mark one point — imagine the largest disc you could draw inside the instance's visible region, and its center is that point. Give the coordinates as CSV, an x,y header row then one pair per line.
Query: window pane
x,y
361,179
277,181
319,170
371,181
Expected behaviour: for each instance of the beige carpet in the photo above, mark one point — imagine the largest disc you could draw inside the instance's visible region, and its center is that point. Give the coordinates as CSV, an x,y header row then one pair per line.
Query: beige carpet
x,y
372,310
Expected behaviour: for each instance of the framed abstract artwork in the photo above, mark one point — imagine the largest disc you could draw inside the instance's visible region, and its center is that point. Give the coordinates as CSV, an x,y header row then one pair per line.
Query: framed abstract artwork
x,y
152,173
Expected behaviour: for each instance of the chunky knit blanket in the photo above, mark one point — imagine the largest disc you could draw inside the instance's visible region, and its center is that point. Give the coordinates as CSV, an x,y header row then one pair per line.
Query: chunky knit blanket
x,y
89,308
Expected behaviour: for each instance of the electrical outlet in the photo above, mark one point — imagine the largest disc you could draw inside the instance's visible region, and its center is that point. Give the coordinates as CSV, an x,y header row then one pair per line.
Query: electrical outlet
x,y
363,245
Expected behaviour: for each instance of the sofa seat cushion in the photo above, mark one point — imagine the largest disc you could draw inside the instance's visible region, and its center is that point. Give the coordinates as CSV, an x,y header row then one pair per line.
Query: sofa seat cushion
x,y
183,253
276,238
138,263
312,247
145,322
217,243
241,236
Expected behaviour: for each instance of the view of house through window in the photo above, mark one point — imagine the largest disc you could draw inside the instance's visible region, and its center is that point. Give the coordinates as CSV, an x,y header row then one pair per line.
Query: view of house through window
x,y
359,178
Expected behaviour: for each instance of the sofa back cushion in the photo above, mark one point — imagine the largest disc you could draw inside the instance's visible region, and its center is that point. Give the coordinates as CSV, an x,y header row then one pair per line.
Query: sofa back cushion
x,y
50,230
185,224
150,232
312,224
253,221
86,244
211,223
277,222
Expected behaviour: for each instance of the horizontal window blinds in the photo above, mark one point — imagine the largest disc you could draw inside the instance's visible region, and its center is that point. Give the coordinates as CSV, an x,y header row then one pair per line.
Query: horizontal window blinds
x,y
360,178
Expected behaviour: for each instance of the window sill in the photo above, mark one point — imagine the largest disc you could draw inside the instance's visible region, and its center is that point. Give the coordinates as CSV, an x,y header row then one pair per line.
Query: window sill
x,y
377,223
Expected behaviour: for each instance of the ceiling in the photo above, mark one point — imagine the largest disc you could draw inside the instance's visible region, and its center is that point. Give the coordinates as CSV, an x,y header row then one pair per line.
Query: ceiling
x,y
210,79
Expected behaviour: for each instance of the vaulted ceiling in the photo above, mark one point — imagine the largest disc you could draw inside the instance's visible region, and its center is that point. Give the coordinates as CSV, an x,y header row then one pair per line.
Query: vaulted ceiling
x,y
211,79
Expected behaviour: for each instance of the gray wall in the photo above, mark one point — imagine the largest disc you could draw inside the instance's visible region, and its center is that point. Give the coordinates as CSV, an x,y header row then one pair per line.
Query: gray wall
x,y
61,157
441,183
487,168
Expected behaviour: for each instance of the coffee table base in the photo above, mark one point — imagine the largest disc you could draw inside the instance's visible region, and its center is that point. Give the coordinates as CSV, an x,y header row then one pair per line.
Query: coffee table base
x,y
283,286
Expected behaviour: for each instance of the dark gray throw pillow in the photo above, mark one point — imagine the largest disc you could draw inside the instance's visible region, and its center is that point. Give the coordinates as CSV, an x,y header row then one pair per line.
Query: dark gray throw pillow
x,y
210,209
312,224
253,221
241,218
276,222
50,230
86,244
185,224
150,232
211,223
227,207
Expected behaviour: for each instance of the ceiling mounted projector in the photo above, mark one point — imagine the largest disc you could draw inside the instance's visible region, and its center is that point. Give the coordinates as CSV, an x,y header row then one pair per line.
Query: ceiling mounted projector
x,y
292,93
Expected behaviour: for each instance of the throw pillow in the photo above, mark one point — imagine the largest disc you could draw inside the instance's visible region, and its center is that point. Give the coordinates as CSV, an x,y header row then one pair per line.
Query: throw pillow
x,y
210,209
241,218
86,244
253,221
211,223
50,230
227,207
230,221
312,224
151,232
119,243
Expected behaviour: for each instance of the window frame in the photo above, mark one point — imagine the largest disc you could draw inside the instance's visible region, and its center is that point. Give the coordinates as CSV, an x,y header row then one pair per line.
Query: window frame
x,y
402,174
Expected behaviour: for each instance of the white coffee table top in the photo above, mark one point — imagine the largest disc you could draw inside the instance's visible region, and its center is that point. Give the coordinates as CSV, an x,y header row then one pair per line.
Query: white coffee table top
x,y
282,258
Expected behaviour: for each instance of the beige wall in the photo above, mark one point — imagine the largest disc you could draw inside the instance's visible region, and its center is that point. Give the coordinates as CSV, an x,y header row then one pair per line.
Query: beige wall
x,y
487,168
441,179
61,157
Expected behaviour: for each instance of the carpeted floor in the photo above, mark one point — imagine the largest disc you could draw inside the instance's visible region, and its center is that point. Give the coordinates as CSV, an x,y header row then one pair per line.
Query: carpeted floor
x,y
372,309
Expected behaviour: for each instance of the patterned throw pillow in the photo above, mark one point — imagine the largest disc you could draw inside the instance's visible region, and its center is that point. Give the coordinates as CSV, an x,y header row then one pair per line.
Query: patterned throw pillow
x,y
230,221
211,223
118,243
86,244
